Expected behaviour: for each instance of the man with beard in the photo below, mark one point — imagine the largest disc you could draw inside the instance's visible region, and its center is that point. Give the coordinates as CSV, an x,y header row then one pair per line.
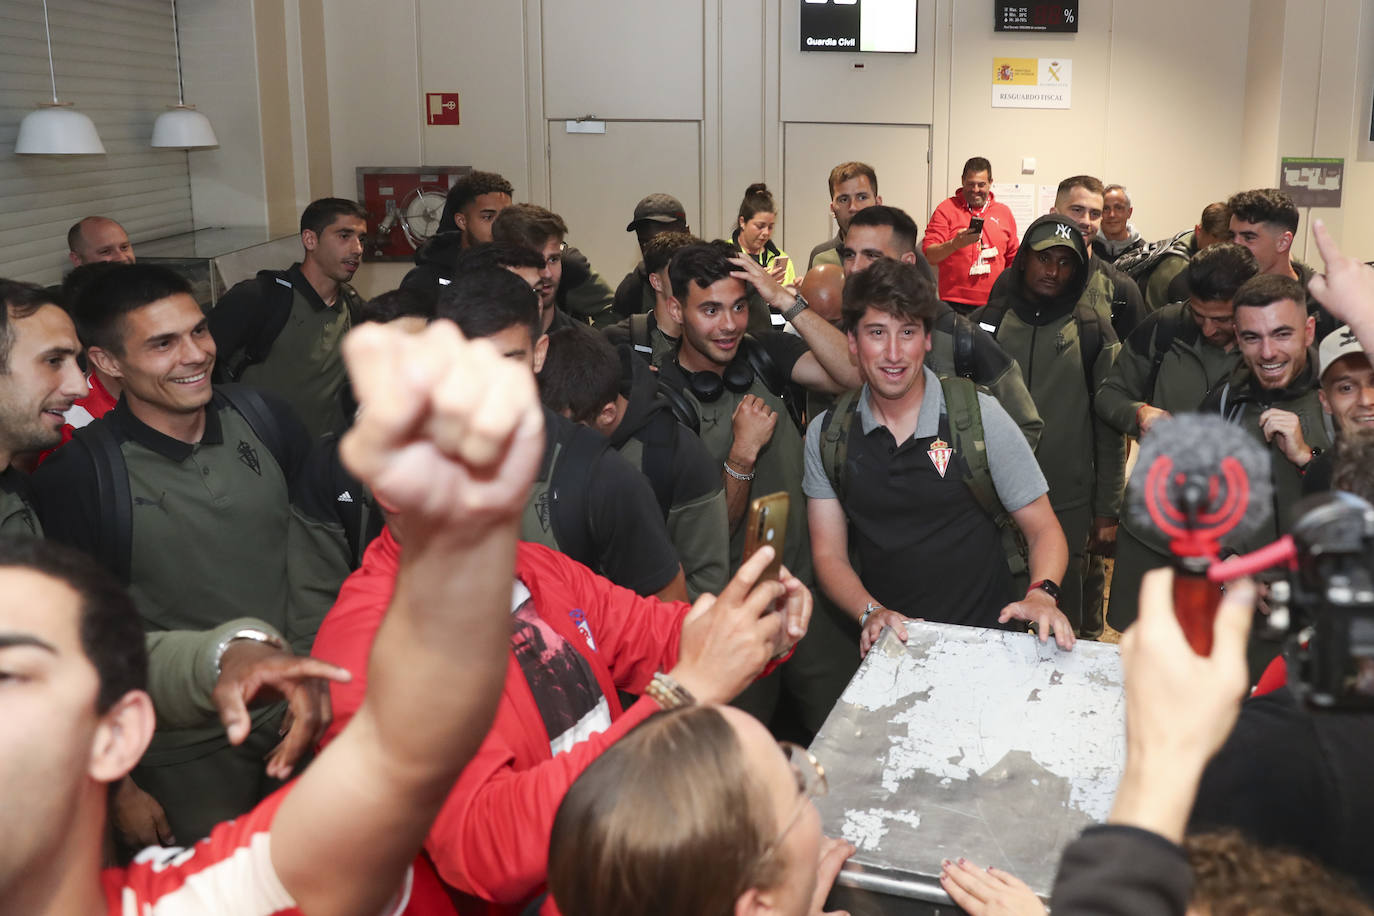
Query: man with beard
x,y
281,330
39,381
1273,394
1065,349
970,262
1167,366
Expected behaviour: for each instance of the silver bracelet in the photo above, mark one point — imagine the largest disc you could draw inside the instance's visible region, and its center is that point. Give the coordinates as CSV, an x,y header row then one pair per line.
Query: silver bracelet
x,y
667,692
736,474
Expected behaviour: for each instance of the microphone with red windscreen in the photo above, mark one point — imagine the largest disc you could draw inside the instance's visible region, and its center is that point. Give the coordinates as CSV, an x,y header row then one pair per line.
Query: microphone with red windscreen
x,y
1199,481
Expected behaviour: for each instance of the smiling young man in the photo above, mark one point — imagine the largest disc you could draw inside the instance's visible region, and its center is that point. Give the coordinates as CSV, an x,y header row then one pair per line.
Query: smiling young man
x,y
183,491
39,381
1167,366
1273,394
742,389
76,717
281,330
896,495
883,232
1347,396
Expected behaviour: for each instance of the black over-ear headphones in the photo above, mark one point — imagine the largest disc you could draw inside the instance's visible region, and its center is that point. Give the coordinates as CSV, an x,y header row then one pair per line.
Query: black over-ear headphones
x,y
707,386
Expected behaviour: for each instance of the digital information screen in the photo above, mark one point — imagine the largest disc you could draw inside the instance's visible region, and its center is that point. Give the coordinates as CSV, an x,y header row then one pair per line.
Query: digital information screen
x,y
859,25
1010,16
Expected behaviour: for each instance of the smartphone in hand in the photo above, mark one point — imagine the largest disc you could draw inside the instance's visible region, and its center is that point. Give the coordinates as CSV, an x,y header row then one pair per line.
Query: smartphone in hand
x,y
767,524
976,224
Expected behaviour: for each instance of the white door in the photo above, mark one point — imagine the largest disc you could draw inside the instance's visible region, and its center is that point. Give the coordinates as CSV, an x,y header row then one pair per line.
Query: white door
x,y
899,153
595,180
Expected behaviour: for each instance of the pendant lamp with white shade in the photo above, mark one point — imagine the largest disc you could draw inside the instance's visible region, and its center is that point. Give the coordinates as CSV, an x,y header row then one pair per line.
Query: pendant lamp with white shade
x,y
182,127
56,129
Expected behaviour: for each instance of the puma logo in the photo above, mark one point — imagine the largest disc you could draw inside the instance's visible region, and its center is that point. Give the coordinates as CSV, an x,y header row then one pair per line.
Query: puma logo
x,y
159,503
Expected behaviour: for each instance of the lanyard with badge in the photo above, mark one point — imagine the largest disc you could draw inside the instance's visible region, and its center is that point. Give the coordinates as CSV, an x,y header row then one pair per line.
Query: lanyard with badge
x,y
986,253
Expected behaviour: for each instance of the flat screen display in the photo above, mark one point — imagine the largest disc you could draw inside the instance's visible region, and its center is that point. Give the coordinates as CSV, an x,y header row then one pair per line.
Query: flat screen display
x,y
859,25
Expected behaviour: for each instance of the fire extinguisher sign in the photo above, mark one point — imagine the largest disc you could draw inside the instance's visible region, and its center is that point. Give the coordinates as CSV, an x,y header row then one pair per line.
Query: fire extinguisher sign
x,y
441,108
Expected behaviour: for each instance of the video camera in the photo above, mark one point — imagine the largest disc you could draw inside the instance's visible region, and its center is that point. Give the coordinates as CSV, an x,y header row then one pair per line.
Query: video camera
x,y
1328,596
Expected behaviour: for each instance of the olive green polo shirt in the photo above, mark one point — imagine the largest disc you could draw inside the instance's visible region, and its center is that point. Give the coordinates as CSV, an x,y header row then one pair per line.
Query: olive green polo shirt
x,y
305,366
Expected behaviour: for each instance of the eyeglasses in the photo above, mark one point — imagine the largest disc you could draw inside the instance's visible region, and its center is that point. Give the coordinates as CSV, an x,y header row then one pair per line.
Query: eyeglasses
x,y
811,783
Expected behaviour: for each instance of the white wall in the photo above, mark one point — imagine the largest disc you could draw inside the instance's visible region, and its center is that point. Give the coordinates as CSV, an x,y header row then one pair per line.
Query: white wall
x,y
228,184
1184,102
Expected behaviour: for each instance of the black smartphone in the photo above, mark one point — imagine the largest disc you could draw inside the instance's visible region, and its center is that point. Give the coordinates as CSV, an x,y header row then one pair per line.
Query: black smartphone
x,y
976,224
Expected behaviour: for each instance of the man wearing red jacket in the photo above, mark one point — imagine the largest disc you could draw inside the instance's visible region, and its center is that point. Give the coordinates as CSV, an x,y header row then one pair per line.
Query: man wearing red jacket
x,y
576,640
970,260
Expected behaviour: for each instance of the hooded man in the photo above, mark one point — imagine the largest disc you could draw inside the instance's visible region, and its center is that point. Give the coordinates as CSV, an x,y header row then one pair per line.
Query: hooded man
x,y
1065,350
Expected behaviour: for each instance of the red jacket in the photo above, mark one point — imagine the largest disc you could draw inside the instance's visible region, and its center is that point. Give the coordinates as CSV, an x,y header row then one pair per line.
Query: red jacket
x,y
83,410
999,231
491,838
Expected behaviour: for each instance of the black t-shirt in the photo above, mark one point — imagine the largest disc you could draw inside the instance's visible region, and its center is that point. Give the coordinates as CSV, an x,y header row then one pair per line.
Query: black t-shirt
x,y
628,538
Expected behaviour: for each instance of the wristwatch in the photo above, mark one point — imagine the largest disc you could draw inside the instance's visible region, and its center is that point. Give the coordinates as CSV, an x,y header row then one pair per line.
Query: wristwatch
x,y
250,633
796,309
1049,587
869,609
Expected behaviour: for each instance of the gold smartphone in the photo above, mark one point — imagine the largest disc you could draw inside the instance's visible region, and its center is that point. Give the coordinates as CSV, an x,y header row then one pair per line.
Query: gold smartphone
x,y
767,525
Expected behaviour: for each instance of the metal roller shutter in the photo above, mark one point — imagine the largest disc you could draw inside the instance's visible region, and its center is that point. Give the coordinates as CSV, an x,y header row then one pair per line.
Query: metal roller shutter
x,y
114,59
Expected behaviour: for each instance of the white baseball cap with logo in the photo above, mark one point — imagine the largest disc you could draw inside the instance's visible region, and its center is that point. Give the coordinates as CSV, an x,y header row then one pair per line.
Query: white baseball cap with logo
x,y
1339,343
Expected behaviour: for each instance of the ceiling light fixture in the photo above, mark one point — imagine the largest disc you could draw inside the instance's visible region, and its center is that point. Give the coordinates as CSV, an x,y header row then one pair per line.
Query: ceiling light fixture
x,y
56,128
182,127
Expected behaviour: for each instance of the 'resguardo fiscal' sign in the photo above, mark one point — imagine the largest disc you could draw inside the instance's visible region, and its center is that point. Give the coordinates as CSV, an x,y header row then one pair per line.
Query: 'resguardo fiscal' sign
x,y
1031,82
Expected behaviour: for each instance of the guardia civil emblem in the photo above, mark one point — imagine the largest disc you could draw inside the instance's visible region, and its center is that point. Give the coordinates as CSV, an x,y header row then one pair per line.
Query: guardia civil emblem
x,y
940,453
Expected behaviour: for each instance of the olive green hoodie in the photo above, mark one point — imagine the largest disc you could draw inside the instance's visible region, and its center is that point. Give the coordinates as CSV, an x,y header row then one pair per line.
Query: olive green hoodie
x,y
1083,459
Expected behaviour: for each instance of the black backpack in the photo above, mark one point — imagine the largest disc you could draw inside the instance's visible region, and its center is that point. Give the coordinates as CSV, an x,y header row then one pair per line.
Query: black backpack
x,y
273,308
1141,263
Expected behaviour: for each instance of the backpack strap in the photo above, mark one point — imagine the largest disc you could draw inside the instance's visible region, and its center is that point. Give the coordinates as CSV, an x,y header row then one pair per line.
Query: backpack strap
x,y
767,371
251,405
658,438
965,362
990,317
966,429
1089,321
835,440
115,502
275,294
639,333
1166,329
568,488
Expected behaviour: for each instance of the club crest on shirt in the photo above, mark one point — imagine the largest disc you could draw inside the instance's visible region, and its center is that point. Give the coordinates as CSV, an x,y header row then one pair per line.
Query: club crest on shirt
x,y
940,453
249,456
541,509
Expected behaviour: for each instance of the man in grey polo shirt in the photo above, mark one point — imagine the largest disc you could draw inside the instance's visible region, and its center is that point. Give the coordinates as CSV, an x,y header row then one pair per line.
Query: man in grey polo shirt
x,y
183,491
280,331
896,485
